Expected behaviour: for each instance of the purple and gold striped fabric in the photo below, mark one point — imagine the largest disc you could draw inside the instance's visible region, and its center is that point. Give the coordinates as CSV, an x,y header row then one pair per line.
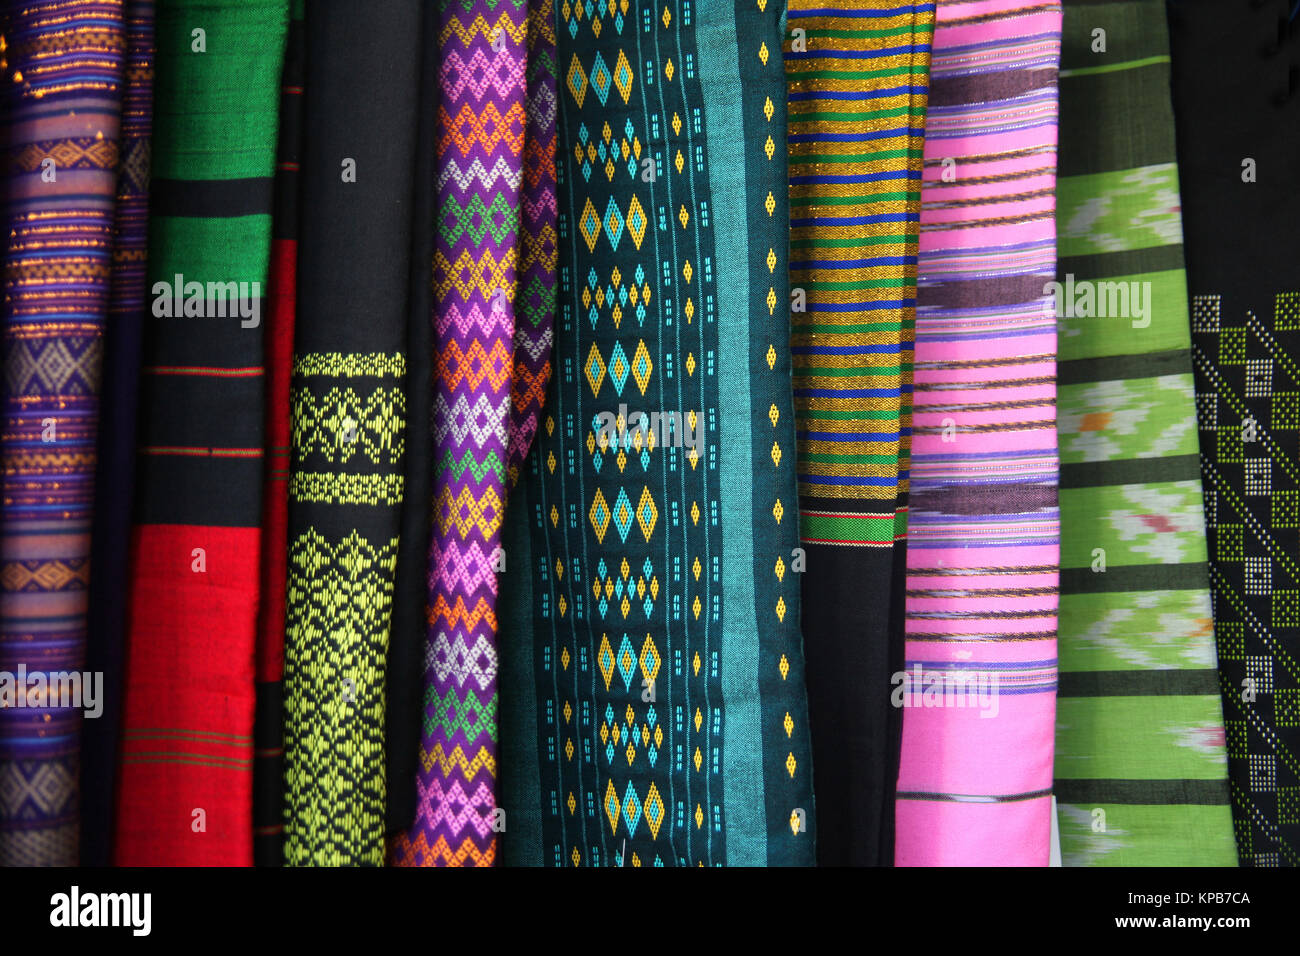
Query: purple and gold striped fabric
x,y
62,75
975,779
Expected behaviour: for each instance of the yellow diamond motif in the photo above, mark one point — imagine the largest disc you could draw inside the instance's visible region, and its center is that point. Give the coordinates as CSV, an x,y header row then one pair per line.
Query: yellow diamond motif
x,y
576,80
769,147
609,169
636,223
574,856
679,162
646,513
687,271
621,460
654,806
667,19
659,736
636,860
694,607
634,295
699,719
589,225
689,310
762,5
645,736
690,363
594,369
625,149
794,822
559,568
599,515
784,667
788,724
677,124
645,294
768,108
605,660
699,817
595,26
762,53
550,461
623,78
595,588
778,510
625,606
780,569
616,277
611,807
586,298
568,750
571,802
695,512
695,569
631,754
606,132
695,664
564,605
771,301
769,203
682,217
771,259
773,414
771,356
790,764
564,659
698,760
654,587
668,68
780,609
550,425
776,454
617,315
555,516
650,659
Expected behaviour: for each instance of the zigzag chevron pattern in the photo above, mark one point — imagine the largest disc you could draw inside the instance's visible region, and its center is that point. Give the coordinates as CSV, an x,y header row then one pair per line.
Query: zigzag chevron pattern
x,y
487,119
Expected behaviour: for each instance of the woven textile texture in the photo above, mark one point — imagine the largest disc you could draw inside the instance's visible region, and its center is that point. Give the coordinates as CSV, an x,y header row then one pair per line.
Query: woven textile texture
x,y
978,695
1237,109
63,84
1141,770
857,94
656,712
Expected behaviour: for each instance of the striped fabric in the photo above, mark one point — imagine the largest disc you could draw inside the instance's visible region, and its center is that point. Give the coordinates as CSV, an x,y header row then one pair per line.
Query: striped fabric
x,y
1141,769
856,72
268,767
976,775
61,65
119,392
186,782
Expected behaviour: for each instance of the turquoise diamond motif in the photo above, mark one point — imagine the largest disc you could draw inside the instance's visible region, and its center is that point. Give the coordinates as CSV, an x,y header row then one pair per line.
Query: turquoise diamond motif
x,y
601,78
631,809
626,662
619,367
622,514
589,223
613,223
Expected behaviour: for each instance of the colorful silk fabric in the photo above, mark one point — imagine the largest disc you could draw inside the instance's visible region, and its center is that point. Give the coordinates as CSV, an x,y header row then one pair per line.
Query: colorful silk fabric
x,y
857,74
975,782
62,72
481,134
1141,771
115,474
1237,103
347,477
186,777
666,707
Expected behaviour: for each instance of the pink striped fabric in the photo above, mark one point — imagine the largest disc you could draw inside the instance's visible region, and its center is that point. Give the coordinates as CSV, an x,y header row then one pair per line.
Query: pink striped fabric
x,y
975,780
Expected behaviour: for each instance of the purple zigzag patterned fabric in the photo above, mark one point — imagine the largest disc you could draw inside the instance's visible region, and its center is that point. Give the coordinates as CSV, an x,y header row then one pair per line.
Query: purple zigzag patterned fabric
x,y
483,250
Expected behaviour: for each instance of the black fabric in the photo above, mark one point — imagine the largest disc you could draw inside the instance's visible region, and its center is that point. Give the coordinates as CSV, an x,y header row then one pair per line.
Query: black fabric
x,y
1236,99
404,716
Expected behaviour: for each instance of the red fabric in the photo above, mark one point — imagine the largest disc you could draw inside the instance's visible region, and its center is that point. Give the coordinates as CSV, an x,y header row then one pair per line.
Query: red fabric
x,y
188,716
278,346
